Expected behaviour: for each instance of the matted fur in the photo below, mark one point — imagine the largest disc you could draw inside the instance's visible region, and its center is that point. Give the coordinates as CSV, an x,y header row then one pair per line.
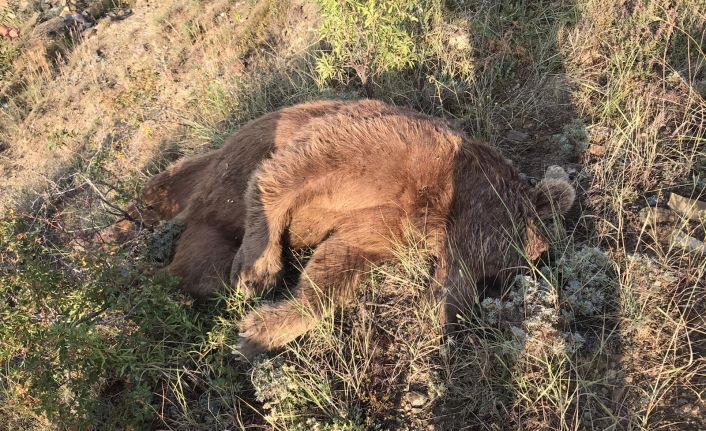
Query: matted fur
x,y
351,180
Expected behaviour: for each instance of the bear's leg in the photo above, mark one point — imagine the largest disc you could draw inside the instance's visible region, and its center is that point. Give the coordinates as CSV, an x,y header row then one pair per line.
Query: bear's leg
x,y
329,279
257,263
273,193
202,259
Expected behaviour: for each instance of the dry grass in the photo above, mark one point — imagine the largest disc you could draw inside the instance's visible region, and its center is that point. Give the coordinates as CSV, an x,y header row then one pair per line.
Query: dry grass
x,y
607,332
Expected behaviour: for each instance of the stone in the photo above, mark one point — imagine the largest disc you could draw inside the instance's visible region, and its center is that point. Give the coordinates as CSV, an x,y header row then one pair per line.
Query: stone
x,y
689,208
688,243
658,215
596,150
417,399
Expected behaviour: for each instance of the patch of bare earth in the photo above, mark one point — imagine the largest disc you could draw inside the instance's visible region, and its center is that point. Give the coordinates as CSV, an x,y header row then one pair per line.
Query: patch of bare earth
x,y
124,82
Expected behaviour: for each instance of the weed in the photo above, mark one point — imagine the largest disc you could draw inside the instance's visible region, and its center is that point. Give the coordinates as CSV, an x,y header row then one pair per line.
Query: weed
x,y
60,138
8,54
572,140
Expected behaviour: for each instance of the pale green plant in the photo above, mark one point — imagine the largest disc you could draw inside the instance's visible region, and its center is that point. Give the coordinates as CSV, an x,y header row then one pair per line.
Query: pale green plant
x,y
370,37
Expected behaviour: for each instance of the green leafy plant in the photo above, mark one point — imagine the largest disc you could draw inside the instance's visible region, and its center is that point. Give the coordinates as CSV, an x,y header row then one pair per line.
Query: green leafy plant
x,y
370,37
60,138
86,339
8,54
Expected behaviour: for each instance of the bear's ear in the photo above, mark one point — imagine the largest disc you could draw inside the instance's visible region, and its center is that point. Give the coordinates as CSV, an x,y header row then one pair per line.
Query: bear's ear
x,y
553,196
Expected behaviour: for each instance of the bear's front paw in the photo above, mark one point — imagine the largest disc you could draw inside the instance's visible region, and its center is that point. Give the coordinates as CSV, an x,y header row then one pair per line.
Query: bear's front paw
x,y
253,338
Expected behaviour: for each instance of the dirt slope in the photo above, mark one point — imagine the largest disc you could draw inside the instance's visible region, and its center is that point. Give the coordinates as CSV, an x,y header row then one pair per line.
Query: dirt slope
x,y
127,82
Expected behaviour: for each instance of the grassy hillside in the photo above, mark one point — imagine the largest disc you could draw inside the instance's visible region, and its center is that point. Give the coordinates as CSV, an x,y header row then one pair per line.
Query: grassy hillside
x,y
607,332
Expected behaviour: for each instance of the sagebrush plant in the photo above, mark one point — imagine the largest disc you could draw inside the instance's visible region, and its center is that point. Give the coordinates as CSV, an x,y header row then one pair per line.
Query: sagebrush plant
x,y
573,138
83,354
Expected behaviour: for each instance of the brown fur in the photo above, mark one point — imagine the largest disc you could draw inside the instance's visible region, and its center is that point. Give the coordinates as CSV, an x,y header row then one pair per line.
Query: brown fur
x,y
205,193
348,179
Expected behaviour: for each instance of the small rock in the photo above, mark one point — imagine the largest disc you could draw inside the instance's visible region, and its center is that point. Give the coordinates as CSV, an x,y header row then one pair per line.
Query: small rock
x,y
10,33
658,215
688,243
690,208
599,135
417,399
652,201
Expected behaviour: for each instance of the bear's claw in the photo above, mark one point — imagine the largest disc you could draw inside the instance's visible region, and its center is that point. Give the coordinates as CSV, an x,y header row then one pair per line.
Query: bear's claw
x,y
252,336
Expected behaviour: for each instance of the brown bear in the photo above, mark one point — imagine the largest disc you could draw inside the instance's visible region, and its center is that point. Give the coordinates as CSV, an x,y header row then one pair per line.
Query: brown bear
x,y
205,193
351,180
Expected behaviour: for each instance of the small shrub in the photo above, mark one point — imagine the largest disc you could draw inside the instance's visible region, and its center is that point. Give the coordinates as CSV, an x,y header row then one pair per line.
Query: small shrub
x,y
590,281
87,340
573,138
291,402
370,37
60,139
8,54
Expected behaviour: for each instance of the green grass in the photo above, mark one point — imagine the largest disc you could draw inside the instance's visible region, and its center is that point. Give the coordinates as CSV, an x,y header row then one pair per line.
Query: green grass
x,y
87,339
609,332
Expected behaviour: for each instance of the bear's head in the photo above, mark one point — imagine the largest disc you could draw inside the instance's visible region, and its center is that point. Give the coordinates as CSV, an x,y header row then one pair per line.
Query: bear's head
x,y
511,234
495,231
